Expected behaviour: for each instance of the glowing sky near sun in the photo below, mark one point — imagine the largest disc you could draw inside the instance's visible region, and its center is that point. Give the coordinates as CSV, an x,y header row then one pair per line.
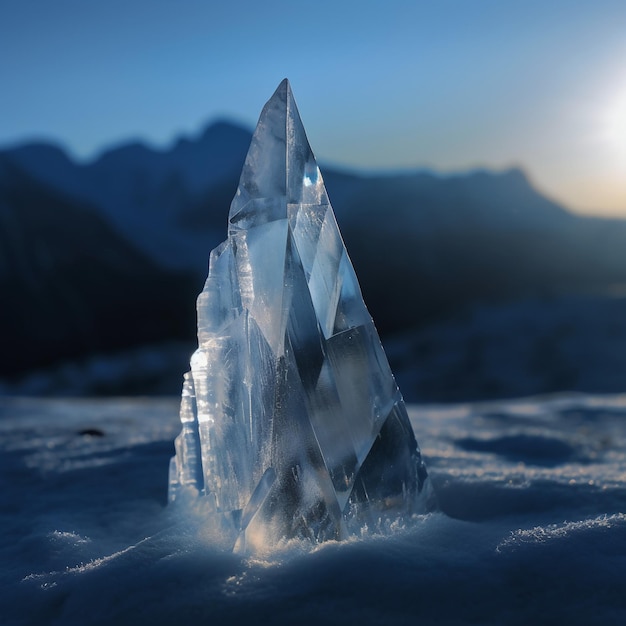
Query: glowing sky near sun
x,y
451,84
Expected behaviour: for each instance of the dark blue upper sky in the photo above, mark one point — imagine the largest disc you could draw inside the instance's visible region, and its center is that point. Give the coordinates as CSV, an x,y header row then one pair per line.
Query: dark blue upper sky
x,y
448,84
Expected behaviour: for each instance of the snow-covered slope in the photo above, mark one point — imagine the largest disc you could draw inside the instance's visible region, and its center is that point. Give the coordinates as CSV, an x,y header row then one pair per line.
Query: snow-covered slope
x,y
530,346
532,526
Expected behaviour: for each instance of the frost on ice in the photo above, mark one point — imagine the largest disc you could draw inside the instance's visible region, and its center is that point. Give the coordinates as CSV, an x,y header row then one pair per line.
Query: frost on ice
x,y
292,423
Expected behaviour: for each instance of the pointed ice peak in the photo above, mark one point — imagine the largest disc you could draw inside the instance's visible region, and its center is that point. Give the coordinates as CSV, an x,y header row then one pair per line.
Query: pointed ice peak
x,y
280,168
292,423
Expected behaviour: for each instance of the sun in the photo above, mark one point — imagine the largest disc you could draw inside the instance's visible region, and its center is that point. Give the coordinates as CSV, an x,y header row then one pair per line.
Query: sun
x,y
615,124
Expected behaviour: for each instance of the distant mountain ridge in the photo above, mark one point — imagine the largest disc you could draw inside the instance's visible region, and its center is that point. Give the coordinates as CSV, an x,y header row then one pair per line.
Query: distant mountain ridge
x,y
157,197
134,228
142,191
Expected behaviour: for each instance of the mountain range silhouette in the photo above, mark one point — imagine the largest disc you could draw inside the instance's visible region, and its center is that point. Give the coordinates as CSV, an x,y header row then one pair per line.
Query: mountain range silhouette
x,y
109,255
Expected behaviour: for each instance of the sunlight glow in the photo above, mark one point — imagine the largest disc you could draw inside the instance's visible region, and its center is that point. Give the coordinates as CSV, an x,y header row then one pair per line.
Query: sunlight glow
x,y
615,125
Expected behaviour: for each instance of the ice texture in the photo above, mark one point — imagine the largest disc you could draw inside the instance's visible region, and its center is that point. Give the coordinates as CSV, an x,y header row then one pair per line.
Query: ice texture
x,y
292,423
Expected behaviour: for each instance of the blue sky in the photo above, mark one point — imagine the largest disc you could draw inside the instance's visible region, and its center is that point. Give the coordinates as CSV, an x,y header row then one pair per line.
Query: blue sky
x,y
446,84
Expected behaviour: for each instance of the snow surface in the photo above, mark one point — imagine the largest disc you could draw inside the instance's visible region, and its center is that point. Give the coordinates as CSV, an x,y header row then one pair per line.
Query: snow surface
x,y
532,528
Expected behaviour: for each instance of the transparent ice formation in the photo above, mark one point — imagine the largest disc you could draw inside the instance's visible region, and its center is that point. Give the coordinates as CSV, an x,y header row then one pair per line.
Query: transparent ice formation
x,y
292,423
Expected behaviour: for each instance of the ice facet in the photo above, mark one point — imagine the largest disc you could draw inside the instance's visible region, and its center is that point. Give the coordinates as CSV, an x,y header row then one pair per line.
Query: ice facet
x,y
293,426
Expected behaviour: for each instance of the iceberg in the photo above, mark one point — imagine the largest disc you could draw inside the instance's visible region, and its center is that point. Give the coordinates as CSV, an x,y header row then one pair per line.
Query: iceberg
x,y
292,423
